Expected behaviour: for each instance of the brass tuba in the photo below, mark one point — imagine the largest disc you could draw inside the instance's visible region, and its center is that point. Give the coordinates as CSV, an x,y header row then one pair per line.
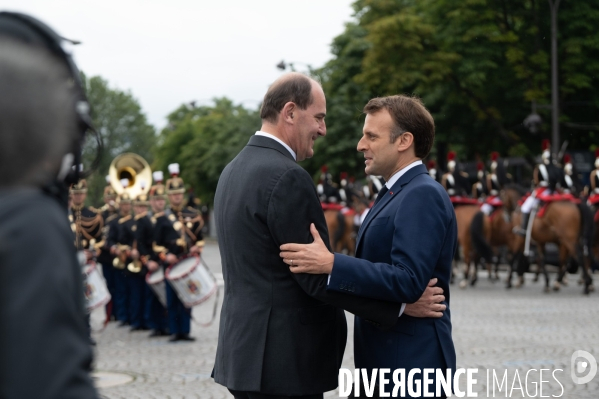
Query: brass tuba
x,y
135,169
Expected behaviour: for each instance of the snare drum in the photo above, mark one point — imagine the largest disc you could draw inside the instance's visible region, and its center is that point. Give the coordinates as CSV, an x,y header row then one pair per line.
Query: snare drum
x,y
157,284
94,287
192,281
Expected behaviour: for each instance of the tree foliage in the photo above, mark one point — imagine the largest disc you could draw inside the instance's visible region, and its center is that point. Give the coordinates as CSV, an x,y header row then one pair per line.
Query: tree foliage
x,y
120,121
203,140
477,65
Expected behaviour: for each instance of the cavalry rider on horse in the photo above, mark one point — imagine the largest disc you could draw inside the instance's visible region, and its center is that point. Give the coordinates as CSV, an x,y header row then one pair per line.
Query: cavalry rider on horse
x,y
455,182
594,191
327,192
494,181
570,182
479,189
432,170
546,176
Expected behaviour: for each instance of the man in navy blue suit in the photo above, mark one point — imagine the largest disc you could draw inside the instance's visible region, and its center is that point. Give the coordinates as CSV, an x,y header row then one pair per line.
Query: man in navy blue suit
x,y
408,237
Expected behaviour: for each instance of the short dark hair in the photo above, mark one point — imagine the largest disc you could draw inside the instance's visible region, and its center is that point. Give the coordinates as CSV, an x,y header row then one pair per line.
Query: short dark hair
x,y
293,87
409,115
37,114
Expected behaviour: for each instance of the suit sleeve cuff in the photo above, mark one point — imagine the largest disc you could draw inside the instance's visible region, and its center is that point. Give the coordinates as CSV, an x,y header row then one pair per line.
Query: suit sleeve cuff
x,y
403,307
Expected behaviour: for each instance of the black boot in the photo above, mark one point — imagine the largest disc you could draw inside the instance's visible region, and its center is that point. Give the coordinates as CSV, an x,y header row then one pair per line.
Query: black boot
x,y
524,225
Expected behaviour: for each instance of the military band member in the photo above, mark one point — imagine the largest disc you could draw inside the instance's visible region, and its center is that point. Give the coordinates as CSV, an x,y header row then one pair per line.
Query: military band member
x,y
86,224
117,238
187,223
140,254
163,233
110,216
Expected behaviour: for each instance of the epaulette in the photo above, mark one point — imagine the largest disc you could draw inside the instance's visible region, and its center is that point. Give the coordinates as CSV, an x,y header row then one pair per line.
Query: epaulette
x,y
140,216
191,209
124,219
111,217
159,214
95,210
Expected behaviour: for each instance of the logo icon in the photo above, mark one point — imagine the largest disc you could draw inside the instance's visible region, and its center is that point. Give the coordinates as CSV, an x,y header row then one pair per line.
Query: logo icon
x,y
579,366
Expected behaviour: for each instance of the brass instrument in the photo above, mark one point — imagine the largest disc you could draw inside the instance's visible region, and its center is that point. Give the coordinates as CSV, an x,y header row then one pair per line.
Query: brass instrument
x,y
136,265
135,169
120,260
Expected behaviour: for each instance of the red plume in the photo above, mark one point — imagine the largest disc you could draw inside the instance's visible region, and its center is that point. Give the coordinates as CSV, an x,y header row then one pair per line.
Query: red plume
x,y
480,166
567,158
597,153
545,144
324,169
451,156
431,164
343,175
494,156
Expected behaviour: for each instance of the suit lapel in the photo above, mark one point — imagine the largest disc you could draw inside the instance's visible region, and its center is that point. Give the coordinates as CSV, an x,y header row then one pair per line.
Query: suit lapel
x,y
389,196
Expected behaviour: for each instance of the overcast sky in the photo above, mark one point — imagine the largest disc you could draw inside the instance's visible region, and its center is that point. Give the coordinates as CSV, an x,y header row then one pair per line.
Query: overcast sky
x,y
167,52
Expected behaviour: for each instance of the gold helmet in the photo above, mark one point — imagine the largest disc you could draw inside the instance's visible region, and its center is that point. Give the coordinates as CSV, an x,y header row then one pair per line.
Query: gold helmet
x,y
175,184
79,188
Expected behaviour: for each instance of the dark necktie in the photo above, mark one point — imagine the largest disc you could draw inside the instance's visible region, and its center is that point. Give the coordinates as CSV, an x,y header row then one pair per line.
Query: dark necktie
x,y
380,195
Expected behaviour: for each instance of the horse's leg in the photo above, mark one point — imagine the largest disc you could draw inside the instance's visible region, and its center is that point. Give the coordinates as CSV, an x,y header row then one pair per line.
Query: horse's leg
x,y
584,257
563,260
512,266
474,276
542,269
464,282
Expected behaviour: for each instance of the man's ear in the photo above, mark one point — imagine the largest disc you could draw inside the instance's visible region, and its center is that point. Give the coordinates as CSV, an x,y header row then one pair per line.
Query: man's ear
x,y
288,112
405,141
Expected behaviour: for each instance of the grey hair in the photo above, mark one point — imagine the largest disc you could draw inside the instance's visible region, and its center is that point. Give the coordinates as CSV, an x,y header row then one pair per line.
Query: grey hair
x,y
37,114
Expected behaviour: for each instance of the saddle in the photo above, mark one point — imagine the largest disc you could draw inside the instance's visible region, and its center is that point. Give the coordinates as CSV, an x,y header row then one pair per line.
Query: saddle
x,y
555,197
459,200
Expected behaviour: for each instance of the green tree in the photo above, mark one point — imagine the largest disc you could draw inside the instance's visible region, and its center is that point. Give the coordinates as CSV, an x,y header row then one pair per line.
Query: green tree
x,y
477,65
120,121
203,140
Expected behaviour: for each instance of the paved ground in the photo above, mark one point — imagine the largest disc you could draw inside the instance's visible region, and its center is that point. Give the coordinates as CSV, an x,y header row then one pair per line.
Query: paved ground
x,y
494,329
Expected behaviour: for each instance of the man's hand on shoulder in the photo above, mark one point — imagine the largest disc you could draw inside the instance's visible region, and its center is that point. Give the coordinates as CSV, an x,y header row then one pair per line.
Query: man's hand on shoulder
x,y
314,258
430,303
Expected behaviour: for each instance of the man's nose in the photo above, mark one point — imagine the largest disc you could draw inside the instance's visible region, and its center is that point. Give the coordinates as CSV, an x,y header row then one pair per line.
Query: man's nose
x,y
323,129
361,145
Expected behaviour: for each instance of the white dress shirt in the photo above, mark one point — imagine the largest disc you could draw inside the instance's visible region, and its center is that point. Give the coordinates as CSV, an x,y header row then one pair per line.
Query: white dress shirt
x,y
260,133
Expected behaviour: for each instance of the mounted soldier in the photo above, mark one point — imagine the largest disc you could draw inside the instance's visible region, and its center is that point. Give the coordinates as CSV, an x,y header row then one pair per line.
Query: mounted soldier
x,y
546,176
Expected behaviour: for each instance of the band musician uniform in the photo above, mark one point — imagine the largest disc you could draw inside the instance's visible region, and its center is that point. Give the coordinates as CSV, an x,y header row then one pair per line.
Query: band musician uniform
x,y
187,224
110,216
143,237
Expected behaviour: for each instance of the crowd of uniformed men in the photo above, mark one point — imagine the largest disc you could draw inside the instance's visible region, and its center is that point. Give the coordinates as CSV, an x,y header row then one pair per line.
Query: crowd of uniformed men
x,y
131,237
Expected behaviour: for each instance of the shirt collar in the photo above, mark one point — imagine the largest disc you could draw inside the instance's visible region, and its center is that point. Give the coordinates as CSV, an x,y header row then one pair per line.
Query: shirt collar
x,y
260,133
393,179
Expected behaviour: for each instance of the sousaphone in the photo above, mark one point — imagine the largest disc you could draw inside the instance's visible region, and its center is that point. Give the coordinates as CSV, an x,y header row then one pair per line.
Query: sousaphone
x,y
135,169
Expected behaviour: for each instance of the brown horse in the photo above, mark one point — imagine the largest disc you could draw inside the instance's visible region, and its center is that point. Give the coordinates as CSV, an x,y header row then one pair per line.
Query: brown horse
x,y
488,234
464,215
341,231
561,225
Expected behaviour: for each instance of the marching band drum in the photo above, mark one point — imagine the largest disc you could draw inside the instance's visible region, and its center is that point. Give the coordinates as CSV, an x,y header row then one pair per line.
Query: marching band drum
x,y
95,290
192,281
157,283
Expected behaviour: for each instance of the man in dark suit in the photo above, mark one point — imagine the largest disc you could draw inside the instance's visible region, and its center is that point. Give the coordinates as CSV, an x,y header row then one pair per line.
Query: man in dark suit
x,y
280,333
408,237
